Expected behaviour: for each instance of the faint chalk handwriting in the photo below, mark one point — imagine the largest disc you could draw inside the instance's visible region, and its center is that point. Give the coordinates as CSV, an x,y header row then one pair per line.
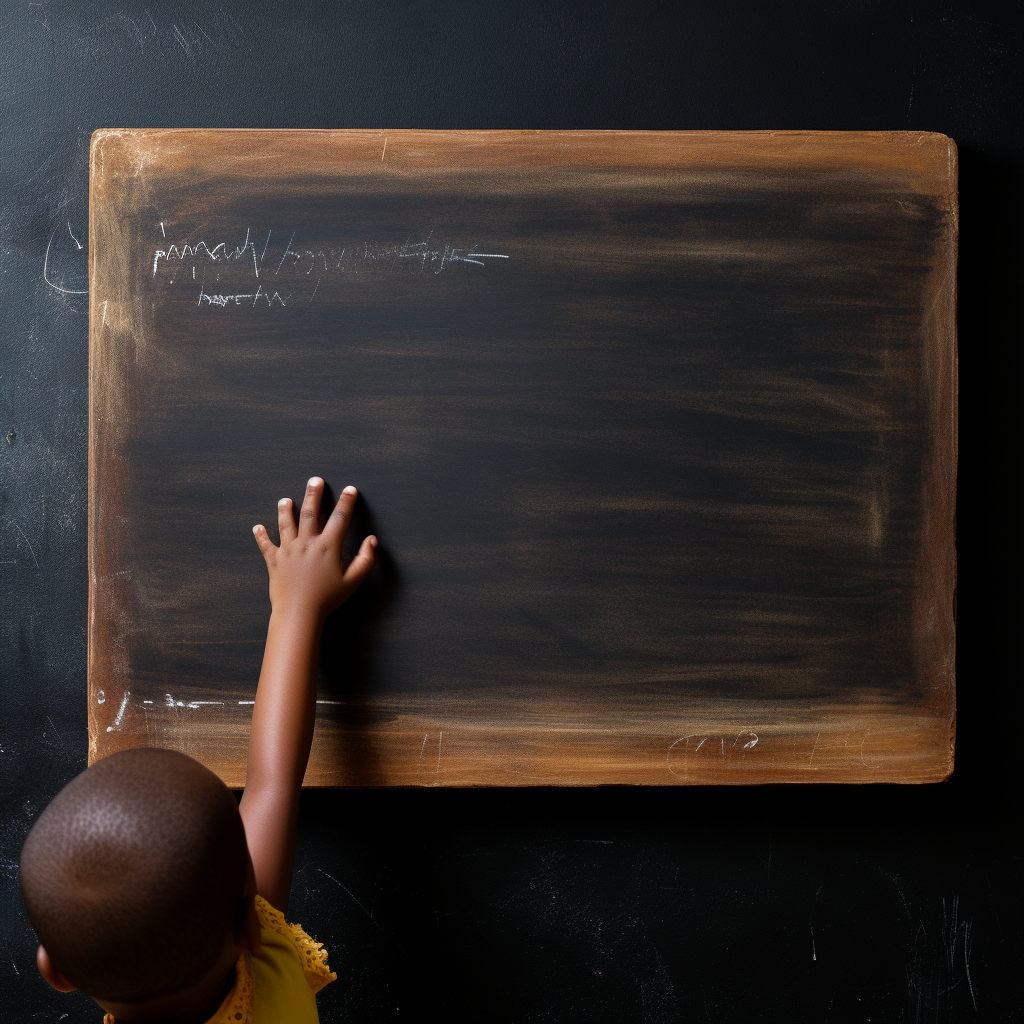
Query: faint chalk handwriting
x,y
307,269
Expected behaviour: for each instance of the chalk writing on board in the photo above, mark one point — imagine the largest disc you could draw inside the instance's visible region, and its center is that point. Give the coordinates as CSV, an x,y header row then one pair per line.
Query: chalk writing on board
x,y
237,297
732,748
296,264
193,252
170,701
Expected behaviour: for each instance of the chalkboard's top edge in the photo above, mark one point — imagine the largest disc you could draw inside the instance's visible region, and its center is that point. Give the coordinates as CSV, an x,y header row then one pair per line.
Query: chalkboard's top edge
x,y
724,133
922,161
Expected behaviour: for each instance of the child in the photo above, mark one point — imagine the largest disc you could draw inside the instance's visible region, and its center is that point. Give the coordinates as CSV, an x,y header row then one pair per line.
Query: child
x,y
149,888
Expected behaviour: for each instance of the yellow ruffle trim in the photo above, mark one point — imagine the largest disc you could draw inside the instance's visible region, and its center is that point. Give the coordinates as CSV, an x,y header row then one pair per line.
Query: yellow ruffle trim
x,y
237,1005
311,953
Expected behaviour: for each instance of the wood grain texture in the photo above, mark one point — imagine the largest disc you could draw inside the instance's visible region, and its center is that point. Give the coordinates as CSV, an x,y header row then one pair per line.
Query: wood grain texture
x,y
657,430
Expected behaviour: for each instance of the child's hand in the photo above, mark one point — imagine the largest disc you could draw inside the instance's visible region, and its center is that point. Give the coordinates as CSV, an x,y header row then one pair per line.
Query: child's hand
x,y
306,571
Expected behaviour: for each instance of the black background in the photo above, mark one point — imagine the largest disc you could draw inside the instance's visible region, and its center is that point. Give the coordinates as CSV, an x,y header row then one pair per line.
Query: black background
x,y
795,904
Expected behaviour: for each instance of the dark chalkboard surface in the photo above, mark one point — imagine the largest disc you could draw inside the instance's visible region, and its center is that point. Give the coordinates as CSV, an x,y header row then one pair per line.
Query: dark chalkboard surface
x,y
656,429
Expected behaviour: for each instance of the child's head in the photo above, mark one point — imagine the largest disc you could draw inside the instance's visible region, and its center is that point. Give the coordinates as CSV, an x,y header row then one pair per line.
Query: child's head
x,y
137,877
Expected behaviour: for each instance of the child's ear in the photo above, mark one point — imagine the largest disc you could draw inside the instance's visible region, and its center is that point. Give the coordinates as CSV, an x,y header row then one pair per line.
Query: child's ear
x,y
50,973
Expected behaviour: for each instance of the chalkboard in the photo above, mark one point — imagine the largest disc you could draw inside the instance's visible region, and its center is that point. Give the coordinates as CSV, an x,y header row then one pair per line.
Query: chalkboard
x,y
656,430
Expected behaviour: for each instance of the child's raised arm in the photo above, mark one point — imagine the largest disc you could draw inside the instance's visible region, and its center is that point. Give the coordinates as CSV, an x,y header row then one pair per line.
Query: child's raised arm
x,y
307,582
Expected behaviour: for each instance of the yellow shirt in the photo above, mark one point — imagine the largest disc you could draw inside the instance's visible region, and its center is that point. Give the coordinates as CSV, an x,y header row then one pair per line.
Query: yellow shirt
x,y
276,985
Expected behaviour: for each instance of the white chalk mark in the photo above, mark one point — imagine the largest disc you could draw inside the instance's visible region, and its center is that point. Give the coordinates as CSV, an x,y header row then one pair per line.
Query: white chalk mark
x,y
101,698
385,149
255,265
60,739
181,39
138,38
46,275
701,744
813,749
967,963
116,727
247,702
215,255
349,891
313,296
439,736
287,249
75,240
105,301
672,746
26,540
162,232
217,299
340,703
423,747
265,244
444,258
223,300
170,702
814,948
147,702
352,897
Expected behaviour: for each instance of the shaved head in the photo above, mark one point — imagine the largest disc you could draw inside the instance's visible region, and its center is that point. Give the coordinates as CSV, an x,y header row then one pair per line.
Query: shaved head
x,y
134,875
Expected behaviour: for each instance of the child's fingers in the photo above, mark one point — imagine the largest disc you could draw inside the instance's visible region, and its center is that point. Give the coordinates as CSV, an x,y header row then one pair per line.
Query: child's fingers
x,y
285,520
266,545
337,525
310,506
362,563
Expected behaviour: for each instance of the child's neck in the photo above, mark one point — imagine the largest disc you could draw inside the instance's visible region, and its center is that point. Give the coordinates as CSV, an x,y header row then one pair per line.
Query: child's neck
x,y
195,1005
208,1009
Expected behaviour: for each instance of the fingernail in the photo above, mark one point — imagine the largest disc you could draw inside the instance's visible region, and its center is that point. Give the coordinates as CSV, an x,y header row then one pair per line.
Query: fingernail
x,y
255,529
313,481
373,542
349,490
283,502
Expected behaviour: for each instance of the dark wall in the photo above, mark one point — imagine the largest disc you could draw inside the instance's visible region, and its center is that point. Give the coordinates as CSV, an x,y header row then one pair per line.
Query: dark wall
x,y
795,904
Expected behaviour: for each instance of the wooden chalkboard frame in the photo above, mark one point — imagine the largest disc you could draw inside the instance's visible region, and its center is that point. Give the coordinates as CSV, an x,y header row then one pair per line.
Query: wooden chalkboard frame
x,y
475,739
